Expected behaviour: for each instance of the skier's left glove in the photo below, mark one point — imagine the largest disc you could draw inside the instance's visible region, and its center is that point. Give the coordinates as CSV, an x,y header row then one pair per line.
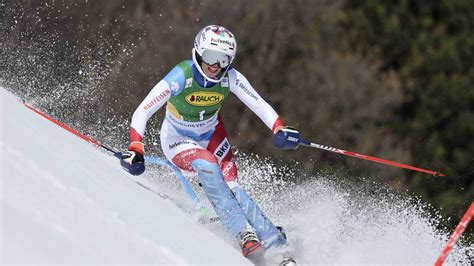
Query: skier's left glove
x,y
133,160
286,138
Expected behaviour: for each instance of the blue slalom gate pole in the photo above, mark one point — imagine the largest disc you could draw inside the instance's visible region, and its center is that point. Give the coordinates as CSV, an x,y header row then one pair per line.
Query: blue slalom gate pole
x,y
187,187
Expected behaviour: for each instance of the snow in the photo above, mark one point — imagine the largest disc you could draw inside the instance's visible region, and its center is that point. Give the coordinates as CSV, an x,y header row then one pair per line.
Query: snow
x,y
66,201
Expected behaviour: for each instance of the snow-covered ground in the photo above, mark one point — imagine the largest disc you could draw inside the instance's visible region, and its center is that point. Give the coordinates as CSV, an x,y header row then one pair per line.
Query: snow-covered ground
x,y
66,201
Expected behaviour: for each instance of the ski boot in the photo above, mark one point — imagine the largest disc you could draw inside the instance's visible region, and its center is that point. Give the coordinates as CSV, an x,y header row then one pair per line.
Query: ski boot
x,y
249,244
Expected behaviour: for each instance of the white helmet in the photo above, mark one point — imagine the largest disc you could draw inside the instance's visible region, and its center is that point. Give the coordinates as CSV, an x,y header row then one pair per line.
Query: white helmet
x,y
214,44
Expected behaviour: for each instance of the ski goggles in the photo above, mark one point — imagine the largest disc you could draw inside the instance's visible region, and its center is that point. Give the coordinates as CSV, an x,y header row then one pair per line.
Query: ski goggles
x,y
212,57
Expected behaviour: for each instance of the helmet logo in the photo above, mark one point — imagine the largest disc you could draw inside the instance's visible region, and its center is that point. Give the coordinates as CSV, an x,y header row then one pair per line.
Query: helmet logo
x,y
218,40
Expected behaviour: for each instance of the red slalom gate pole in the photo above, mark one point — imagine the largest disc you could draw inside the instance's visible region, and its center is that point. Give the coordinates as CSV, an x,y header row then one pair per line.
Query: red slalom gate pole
x,y
457,233
116,153
368,158
63,125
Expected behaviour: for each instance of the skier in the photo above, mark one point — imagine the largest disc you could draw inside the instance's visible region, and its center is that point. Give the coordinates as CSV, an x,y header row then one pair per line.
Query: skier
x,y
193,136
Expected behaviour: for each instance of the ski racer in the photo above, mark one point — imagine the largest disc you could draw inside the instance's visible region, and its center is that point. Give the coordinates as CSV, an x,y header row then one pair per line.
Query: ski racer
x,y
193,136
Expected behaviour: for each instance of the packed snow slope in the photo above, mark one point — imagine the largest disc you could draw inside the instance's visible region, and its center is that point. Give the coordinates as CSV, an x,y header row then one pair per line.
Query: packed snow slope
x,y
65,201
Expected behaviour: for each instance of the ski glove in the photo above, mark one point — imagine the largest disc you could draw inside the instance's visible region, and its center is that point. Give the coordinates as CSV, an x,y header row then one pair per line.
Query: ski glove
x,y
286,138
132,157
133,162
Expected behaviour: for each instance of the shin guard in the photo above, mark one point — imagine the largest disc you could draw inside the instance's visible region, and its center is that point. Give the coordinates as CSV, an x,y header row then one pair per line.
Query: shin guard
x,y
220,196
266,231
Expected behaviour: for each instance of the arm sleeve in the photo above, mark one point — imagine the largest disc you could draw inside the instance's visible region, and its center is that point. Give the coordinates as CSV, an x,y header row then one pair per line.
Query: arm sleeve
x,y
152,103
240,86
171,84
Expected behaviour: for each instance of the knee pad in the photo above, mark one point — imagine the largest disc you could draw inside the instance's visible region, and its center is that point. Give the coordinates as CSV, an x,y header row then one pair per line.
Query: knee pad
x,y
207,171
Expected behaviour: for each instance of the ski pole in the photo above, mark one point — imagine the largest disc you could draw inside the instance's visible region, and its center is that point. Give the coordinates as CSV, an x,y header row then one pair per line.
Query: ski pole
x,y
160,161
118,155
156,160
187,187
365,157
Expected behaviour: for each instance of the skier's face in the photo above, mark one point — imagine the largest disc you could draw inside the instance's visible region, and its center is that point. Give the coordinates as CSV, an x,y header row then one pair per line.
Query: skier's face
x,y
211,71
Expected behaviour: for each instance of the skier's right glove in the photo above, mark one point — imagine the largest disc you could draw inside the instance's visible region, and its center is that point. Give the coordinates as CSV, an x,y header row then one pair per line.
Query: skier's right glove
x,y
132,157
132,160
